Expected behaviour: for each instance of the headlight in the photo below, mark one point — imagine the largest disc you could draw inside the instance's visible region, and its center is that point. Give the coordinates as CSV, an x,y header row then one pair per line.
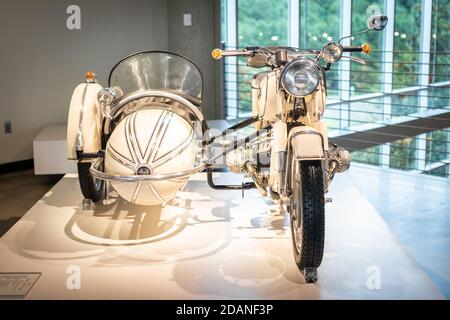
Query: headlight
x,y
300,77
332,52
106,96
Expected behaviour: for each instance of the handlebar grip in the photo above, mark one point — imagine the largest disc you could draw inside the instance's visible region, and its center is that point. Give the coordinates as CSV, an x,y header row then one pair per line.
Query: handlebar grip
x,y
353,49
219,54
366,48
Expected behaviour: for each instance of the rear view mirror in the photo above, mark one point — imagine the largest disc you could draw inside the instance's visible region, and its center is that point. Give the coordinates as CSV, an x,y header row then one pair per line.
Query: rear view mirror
x,y
377,23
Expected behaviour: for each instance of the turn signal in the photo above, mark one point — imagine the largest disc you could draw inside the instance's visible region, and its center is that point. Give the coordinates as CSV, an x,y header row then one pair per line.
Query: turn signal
x,y
366,48
90,77
216,54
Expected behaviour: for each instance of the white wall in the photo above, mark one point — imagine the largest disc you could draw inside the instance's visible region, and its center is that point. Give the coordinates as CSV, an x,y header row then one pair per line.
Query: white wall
x,y
41,61
196,42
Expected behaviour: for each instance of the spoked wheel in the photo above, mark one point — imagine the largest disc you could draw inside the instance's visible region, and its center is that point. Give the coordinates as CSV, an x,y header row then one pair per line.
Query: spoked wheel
x,y
91,188
307,211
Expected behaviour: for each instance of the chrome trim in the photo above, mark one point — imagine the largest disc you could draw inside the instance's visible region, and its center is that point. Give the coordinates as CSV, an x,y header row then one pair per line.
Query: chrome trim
x,y
173,153
113,153
131,139
116,110
293,62
135,195
147,150
105,106
156,140
254,174
186,106
155,192
79,139
140,178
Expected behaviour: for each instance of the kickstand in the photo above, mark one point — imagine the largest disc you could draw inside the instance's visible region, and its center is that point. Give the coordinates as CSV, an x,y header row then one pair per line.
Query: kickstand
x,y
87,205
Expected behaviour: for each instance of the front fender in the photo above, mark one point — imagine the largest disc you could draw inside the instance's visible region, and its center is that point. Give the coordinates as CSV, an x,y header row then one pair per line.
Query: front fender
x,y
84,121
306,143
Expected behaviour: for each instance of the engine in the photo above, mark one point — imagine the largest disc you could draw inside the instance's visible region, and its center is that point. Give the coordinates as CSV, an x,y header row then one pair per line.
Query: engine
x,y
338,160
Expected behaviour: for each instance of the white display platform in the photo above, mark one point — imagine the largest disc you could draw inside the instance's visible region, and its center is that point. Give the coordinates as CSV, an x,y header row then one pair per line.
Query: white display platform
x,y
50,152
207,244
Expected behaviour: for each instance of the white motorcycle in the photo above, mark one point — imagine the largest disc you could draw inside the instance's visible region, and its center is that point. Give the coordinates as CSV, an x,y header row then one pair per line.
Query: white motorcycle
x,y
144,135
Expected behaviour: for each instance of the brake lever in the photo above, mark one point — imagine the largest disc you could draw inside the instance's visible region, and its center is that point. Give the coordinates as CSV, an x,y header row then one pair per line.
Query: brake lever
x,y
354,59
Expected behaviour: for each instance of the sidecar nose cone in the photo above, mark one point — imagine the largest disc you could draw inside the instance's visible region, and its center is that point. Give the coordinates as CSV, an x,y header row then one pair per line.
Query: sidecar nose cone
x,y
150,141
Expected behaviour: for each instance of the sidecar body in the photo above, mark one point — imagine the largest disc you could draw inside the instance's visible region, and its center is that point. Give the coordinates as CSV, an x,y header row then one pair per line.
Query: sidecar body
x,y
142,135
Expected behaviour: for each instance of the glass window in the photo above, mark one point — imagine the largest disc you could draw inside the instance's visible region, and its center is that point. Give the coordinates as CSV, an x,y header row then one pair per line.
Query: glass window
x,y
333,116
440,41
367,78
368,111
404,104
369,155
260,23
408,14
319,24
437,146
403,154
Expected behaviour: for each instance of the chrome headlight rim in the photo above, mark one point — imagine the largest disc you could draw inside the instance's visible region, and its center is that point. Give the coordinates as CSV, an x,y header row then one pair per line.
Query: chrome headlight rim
x,y
313,66
327,52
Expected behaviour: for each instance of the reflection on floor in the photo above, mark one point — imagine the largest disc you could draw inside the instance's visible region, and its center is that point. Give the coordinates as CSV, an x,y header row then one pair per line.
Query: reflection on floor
x,y
416,207
205,244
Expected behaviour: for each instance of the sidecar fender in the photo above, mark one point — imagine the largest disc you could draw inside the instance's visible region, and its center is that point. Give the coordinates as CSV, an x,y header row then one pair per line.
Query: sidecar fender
x,y
306,143
84,121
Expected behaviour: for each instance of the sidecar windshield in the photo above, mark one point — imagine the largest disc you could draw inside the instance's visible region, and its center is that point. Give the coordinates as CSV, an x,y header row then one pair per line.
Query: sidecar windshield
x,y
156,70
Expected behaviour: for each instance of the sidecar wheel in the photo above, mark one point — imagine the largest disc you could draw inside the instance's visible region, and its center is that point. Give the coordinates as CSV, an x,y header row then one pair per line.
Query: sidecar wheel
x,y
307,216
91,188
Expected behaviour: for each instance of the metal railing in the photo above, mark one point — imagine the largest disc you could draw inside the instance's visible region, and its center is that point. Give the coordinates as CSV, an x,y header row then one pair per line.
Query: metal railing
x,y
406,127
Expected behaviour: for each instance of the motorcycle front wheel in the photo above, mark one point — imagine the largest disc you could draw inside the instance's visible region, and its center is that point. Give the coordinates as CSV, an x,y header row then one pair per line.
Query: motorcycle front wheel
x,y
91,188
307,210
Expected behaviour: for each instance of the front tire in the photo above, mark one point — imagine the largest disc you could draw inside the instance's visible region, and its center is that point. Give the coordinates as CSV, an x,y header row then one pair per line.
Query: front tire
x,y
307,216
91,188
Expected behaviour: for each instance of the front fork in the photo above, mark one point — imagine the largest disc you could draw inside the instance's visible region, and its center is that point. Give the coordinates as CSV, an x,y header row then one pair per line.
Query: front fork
x,y
278,158
304,143
300,142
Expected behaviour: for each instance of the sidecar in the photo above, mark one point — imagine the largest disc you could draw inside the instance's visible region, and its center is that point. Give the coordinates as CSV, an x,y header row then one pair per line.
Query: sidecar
x,y
141,135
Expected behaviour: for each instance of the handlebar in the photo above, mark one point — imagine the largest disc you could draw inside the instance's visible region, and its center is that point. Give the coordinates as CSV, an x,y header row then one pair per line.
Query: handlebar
x,y
353,49
250,51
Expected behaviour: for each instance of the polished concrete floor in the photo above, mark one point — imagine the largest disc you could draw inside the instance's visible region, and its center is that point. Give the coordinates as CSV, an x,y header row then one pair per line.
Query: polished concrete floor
x,y
19,191
209,244
416,208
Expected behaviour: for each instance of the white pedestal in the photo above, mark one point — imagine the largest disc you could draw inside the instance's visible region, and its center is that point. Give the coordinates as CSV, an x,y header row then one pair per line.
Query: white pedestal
x,y
206,244
49,152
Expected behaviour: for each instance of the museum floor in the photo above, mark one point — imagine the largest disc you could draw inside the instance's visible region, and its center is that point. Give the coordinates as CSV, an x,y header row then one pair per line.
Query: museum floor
x,y
213,244
19,191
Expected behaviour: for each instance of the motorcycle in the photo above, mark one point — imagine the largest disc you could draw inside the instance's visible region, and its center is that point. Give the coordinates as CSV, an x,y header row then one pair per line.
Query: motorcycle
x,y
144,135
